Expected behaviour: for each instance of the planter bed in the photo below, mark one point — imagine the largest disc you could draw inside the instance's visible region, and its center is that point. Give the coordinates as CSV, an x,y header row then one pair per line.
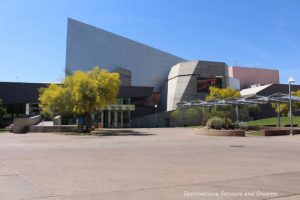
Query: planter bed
x,y
222,132
278,131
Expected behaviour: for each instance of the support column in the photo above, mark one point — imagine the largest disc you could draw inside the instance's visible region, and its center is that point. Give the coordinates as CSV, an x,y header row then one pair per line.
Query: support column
x,y
102,117
108,118
278,114
27,110
129,119
116,119
122,119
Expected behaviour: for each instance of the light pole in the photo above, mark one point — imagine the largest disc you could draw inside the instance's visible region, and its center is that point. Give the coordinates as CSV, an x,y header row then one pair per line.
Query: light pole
x,y
155,106
291,80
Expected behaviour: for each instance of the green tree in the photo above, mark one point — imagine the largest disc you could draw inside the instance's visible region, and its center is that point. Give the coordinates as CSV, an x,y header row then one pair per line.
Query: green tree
x,y
81,94
284,107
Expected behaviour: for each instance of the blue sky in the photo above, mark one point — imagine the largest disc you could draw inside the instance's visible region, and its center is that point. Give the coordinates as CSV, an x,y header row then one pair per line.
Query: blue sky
x,y
260,33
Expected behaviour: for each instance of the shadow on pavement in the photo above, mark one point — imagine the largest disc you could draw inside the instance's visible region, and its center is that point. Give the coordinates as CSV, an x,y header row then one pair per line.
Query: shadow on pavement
x,y
120,133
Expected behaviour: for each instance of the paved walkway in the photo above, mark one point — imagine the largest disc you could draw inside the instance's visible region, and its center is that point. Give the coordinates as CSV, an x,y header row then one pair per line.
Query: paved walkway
x,y
171,163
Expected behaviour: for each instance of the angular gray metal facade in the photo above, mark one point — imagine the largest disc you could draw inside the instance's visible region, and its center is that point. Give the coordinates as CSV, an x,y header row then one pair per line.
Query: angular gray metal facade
x,y
182,80
88,46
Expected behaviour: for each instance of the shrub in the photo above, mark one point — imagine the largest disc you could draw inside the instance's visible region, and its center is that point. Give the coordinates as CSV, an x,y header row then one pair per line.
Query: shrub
x,y
219,123
191,113
210,114
224,115
177,115
216,123
243,126
185,116
228,124
248,111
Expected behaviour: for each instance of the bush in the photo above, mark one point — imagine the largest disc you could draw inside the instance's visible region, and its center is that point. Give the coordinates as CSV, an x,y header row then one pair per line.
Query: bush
x,y
185,116
177,115
219,123
216,123
212,113
243,126
228,124
191,113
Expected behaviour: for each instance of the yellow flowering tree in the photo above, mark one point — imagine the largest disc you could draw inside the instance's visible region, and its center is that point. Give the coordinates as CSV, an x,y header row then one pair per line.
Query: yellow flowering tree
x,y
224,111
284,107
221,93
52,100
81,94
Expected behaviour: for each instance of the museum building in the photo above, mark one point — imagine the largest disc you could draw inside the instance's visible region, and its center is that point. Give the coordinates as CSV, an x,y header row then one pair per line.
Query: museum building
x,y
152,81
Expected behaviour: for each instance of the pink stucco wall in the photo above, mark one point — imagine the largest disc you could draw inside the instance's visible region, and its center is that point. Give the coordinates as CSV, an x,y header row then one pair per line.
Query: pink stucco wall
x,y
250,76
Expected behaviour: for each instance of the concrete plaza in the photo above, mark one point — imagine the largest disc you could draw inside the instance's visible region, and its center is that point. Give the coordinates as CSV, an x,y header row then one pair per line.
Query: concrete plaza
x,y
169,163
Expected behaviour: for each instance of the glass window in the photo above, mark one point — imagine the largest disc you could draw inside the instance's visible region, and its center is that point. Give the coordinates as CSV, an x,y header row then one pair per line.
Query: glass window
x,y
203,84
126,101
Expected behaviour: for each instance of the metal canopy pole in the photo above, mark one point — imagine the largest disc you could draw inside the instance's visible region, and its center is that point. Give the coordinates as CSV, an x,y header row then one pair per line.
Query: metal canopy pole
x,y
278,113
237,112
291,80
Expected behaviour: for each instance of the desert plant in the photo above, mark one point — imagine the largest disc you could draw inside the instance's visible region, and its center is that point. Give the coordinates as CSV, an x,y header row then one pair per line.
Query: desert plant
x,y
216,123
245,111
228,123
212,113
243,126
177,115
185,115
191,113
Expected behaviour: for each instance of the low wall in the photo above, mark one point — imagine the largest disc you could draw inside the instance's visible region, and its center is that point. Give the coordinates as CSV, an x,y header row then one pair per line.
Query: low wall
x,y
214,132
21,125
278,131
51,129
274,131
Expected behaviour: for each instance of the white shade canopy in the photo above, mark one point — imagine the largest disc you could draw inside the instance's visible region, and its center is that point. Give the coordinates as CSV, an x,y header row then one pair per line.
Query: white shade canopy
x,y
255,99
